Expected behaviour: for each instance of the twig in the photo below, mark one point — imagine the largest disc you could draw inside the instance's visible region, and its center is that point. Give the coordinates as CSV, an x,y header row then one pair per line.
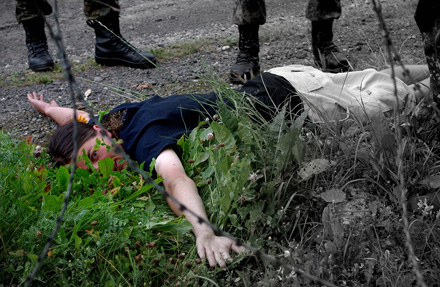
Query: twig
x,y
66,66
400,144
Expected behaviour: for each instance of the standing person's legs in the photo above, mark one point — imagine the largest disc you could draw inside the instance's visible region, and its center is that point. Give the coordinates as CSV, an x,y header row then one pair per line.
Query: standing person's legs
x,y
427,17
327,56
30,14
110,47
29,9
248,15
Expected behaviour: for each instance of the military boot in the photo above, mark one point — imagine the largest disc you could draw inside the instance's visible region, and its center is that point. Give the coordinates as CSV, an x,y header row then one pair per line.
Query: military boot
x,y
247,63
112,49
38,55
326,53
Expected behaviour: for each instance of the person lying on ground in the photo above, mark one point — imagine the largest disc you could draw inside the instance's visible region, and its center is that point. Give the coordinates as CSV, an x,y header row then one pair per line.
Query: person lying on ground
x,y
150,129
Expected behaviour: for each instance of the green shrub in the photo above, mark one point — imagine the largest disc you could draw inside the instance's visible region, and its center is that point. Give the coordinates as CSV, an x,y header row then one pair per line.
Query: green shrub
x,y
117,229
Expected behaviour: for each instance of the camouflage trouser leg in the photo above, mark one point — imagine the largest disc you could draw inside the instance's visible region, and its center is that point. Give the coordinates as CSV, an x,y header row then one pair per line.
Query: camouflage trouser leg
x,y
29,9
95,9
427,17
249,12
323,9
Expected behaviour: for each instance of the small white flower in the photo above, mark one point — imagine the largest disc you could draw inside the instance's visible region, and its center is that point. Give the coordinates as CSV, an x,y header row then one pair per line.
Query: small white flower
x,y
424,207
253,176
210,136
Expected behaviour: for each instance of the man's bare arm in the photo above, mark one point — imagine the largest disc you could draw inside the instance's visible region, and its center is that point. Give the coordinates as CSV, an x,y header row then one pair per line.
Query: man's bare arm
x,y
60,114
216,249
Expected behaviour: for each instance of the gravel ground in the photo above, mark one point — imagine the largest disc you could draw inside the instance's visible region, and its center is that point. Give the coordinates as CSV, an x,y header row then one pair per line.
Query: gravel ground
x,y
157,24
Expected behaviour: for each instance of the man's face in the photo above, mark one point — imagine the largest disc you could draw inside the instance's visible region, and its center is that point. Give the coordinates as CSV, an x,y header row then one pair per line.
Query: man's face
x,y
103,151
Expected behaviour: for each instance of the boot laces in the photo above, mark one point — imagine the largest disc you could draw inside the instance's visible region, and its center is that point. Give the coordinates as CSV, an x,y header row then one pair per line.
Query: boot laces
x,y
38,47
124,44
245,58
121,43
328,48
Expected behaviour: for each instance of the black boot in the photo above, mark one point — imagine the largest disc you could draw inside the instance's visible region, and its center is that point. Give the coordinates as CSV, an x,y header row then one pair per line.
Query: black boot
x,y
112,49
36,42
247,63
326,53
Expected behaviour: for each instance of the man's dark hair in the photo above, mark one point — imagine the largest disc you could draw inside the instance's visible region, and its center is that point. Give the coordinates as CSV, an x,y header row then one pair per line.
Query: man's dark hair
x,y
61,144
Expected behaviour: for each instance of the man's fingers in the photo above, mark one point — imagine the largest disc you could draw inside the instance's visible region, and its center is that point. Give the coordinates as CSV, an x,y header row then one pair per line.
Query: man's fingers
x,y
220,259
226,257
34,96
208,255
237,248
201,252
211,259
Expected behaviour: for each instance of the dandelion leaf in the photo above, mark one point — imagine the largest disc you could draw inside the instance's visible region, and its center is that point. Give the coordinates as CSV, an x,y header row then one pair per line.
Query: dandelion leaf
x,y
105,166
432,181
86,202
52,203
228,117
333,196
201,157
223,135
289,145
62,177
278,122
314,167
208,172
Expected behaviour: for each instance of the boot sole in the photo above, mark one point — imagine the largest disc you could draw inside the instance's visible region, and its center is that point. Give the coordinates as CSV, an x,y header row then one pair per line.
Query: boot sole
x,y
120,62
41,68
336,70
341,69
237,79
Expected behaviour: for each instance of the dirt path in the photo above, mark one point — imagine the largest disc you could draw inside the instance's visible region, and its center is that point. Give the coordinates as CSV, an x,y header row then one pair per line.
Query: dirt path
x,y
156,24
146,24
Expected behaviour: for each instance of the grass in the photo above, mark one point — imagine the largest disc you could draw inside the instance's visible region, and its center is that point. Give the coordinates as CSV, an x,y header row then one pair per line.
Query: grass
x,y
117,230
176,51
340,221
171,52
28,78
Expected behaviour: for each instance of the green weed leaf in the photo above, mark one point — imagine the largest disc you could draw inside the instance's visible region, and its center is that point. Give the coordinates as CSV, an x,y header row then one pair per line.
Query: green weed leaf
x,y
78,242
62,178
105,166
52,203
228,116
314,167
223,136
333,196
86,202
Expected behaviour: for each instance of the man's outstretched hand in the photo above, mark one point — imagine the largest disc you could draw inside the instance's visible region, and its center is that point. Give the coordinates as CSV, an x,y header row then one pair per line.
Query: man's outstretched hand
x,y
39,103
216,249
